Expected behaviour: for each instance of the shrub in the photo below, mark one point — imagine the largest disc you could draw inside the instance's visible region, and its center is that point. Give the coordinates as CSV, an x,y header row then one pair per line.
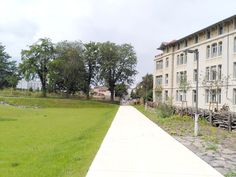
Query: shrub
x,y
164,110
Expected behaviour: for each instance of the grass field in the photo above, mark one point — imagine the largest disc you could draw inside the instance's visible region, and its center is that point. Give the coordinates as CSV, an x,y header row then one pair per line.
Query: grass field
x,y
59,139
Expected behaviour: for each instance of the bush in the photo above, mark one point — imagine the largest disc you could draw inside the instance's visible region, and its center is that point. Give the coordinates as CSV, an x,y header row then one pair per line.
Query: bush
x,y
164,110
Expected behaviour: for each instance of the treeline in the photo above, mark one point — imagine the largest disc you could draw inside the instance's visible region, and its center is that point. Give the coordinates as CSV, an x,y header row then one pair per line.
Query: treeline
x,y
72,66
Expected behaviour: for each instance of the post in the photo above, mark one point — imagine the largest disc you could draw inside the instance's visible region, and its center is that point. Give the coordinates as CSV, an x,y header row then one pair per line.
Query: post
x,y
210,117
196,114
230,122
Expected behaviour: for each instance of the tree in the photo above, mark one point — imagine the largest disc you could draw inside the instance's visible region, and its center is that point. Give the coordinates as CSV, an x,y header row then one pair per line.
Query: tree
x,y
67,71
91,54
36,60
117,64
184,86
144,89
8,70
121,90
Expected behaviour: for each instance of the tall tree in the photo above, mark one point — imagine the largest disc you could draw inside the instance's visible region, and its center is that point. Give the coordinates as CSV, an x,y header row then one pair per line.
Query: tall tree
x,y
117,64
91,54
144,89
67,71
8,70
121,90
36,60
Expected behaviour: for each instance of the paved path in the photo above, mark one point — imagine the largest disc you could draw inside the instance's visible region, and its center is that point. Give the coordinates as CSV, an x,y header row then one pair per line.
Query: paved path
x,y
136,147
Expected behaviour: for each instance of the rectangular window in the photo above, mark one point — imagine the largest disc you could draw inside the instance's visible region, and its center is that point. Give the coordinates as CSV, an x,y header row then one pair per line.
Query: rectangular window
x,y
208,34
158,80
213,73
177,77
178,46
177,59
219,72
234,96
219,96
166,95
208,51
195,75
207,73
213,96
207,96
234,70
185,59
159,65
220,29
220,48
167,62
214,50
177,95
181,59
194,96
166,79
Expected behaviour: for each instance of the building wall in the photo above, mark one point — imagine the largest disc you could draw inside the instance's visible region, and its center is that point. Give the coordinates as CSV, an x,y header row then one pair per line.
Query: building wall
x,y
226,60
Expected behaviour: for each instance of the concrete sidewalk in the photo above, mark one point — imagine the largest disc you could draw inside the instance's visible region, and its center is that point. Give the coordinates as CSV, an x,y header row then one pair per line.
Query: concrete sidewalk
x,y
136,147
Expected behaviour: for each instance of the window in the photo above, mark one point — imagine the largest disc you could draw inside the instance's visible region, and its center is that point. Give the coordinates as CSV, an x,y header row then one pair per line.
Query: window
x,y
183,75
235,44
185,59
194,96
207,73
159,65
220,29
178,46
195,75
234,70
177,95
213,96
158,80
219,72
220,48
208,51
235,23
208,34
167,49
166,79
181,59
219,96
177,59
167,62
234,96
195,56
207,95
214,50
196,39
213,73
186,43
177,77
166,95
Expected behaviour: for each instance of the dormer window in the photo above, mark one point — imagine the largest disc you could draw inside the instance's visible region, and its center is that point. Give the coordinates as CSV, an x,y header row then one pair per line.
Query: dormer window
x,y
220,29
208,34
178,46
196,39
186,43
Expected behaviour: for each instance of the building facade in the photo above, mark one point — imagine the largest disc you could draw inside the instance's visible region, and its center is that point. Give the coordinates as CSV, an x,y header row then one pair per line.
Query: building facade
x,y
175,73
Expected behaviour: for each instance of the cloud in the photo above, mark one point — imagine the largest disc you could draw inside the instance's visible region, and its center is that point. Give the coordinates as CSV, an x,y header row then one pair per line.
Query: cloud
x,y
143,23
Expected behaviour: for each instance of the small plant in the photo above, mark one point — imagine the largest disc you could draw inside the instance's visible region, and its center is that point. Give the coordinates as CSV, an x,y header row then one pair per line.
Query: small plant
x,y
230,174
212,147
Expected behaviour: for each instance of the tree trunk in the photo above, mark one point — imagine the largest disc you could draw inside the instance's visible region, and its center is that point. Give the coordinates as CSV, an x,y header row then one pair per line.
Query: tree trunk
x,y
112,94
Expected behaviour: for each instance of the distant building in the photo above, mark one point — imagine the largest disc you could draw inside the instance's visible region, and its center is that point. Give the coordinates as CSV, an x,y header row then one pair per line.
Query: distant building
x,y
101,92
216,46
34,84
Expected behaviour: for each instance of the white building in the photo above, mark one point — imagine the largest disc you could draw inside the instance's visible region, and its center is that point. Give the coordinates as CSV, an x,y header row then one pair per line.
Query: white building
x,y
216,45
34,84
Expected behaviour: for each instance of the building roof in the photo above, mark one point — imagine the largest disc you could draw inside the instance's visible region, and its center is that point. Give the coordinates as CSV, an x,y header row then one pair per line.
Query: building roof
x,y
166,44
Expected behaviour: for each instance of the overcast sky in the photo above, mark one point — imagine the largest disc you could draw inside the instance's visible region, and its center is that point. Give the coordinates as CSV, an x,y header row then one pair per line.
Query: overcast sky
x,y
142,23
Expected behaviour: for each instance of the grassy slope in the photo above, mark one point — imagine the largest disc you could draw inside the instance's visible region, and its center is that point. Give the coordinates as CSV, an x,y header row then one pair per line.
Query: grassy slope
x,y
51,141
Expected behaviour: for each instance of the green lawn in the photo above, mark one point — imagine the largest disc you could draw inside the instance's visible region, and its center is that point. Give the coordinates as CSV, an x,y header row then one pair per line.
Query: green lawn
x,y
60,138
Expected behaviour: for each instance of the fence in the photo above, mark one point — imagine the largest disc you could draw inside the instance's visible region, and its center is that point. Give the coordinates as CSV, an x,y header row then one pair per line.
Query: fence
x,y
222,119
